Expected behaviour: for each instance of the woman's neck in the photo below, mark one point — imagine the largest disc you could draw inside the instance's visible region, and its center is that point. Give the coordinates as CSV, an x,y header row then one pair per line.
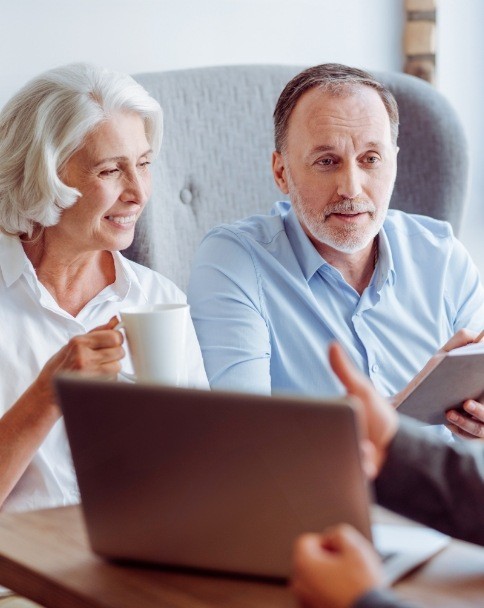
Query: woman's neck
x,y
73,278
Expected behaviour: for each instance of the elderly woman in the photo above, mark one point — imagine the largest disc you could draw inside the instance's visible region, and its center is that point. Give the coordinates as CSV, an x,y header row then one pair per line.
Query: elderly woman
x,y
76,145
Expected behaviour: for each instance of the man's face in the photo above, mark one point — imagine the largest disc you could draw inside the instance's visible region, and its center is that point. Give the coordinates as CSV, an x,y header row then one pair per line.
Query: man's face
x,y
338,167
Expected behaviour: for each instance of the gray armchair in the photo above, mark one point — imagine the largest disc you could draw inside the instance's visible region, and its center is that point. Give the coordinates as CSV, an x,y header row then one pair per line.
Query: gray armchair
x,y
215,164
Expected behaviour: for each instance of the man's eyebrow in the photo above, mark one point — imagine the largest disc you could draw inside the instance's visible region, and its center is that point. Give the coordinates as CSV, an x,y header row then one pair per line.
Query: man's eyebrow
x,y
323,148
117,159
329,148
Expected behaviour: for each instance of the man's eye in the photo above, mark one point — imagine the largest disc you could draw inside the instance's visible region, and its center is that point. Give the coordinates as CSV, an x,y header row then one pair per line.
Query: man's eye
x,y
372,159
145,164
326,162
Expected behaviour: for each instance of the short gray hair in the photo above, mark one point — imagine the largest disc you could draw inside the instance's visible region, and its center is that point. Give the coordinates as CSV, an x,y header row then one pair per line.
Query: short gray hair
x,y
334,78
45,123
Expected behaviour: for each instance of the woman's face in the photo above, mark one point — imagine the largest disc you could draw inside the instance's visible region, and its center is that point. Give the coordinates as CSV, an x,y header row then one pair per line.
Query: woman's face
x,y
111,171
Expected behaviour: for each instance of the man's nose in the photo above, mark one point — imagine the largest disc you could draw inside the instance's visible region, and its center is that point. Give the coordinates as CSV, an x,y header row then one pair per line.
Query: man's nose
x,y
349,182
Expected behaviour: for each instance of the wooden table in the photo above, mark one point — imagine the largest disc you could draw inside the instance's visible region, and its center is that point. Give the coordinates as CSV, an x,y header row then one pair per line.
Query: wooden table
x,y
44,555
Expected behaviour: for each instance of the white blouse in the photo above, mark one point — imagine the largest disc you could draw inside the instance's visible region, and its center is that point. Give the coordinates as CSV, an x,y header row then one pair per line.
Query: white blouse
x,y
33,328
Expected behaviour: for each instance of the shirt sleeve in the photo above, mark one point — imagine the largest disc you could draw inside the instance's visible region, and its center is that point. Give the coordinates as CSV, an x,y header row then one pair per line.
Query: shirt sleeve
x,y
464,291
382,598
227,309
437,484
195,374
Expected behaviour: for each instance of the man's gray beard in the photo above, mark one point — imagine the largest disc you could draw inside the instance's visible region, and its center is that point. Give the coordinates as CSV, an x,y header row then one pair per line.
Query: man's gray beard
x,y
349,239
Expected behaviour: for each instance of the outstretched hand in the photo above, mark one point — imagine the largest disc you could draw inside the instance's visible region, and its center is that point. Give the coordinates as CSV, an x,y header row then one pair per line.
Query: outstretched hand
x,y
379,421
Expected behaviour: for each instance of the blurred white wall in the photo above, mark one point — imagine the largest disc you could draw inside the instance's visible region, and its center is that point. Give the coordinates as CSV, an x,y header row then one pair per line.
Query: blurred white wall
x,y
148,35
461,79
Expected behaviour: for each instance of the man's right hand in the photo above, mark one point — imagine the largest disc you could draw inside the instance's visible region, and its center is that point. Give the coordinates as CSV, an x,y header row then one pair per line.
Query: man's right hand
x,y
334,569
379,420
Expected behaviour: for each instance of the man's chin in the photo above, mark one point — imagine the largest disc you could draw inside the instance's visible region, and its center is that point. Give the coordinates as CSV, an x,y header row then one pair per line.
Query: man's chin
x,y
346,244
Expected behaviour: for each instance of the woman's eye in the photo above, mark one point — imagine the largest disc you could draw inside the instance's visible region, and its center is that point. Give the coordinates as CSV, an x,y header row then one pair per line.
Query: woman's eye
x,y
108,172
326,162
145,164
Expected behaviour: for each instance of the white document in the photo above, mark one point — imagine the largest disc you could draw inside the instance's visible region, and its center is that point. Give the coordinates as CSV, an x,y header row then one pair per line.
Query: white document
x,y
404,547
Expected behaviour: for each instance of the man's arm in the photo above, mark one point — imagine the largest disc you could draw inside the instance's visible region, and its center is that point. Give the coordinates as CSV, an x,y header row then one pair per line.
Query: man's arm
x,y
438,484
421,477
340,569
227,311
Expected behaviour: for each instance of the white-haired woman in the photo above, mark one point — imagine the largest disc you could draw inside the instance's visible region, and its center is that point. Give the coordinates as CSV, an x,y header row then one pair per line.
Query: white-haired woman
x,y
75,148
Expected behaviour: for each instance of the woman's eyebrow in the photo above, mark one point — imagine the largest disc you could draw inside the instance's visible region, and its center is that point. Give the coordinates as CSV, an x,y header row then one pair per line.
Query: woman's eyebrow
x,y
116,159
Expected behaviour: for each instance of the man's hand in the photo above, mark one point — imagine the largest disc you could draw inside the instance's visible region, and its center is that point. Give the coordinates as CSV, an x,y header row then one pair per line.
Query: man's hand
x,y
469,422
379,420
469,425
332,570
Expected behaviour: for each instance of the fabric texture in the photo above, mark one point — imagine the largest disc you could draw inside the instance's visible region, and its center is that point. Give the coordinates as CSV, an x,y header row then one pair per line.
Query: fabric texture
x,y
33,328
382,598
266,305
439,485
215,162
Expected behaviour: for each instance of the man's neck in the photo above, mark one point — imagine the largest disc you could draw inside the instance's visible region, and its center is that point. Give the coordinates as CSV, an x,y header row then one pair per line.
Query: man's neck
x,y
357,268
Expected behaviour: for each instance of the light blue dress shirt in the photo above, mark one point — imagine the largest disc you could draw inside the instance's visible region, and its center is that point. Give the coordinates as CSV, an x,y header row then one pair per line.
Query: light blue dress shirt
x,y
266,305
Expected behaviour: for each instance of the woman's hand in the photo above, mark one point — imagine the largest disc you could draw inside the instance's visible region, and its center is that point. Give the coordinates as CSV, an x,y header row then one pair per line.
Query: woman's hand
x,y
335,568
26,424
97,353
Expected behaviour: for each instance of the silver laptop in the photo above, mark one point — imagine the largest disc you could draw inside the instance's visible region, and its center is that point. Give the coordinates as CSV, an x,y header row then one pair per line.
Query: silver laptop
x,y
206,479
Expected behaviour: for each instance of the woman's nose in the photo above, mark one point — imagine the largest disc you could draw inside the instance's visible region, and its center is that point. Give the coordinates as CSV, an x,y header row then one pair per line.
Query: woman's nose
x,y
137,188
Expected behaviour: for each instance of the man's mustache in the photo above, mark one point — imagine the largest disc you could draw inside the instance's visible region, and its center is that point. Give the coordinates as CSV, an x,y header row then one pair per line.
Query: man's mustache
x,y
350,206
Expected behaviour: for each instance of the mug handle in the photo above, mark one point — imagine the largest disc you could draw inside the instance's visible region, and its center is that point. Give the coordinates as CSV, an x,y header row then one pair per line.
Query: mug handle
x,y
126,375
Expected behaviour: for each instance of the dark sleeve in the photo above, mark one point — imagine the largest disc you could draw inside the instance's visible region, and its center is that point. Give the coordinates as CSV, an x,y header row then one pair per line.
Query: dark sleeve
x,y
382,598
437,484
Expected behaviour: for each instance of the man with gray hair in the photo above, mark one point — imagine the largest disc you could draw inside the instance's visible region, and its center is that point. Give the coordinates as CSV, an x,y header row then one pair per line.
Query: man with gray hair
x,y
269,293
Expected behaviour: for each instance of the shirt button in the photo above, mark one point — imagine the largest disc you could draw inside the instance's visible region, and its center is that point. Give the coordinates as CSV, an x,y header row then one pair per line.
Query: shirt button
x,y
375,368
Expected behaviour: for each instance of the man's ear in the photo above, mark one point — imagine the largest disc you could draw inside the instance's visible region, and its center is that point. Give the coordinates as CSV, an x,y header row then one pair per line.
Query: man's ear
x,y
279,172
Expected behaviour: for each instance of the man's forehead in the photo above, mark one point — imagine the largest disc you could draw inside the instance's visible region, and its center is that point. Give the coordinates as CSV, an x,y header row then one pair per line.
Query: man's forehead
x,y
356,107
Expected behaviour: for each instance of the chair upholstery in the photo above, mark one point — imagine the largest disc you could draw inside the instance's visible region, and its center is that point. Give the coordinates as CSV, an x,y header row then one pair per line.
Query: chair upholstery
x,y
215,163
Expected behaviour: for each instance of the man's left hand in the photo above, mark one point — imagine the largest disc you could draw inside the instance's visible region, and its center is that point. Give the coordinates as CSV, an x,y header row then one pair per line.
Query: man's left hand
x,y
334,569
469,422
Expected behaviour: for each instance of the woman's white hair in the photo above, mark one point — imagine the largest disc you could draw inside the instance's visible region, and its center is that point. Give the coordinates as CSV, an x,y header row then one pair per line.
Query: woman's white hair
x,y
45,123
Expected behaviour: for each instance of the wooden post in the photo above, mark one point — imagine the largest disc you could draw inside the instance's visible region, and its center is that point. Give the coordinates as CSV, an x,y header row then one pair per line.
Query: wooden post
x,y
419,38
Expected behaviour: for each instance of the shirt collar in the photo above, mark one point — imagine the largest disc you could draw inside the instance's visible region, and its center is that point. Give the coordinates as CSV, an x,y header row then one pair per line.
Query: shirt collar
x,y
13,261
311,261
124,276
306,254
386,267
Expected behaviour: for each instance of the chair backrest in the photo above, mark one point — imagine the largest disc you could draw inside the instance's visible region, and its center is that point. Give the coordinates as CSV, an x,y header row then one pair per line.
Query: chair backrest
x,y
215,164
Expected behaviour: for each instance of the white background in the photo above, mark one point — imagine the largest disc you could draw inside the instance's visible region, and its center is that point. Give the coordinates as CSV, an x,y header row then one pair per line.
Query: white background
x,y
150,35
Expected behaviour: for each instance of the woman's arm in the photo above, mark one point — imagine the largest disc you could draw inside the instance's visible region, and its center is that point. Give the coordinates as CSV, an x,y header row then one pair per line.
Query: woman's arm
x,y
26,424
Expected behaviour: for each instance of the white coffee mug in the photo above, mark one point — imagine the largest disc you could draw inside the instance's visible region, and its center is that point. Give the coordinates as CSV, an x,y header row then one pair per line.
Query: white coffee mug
x,y
156,337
